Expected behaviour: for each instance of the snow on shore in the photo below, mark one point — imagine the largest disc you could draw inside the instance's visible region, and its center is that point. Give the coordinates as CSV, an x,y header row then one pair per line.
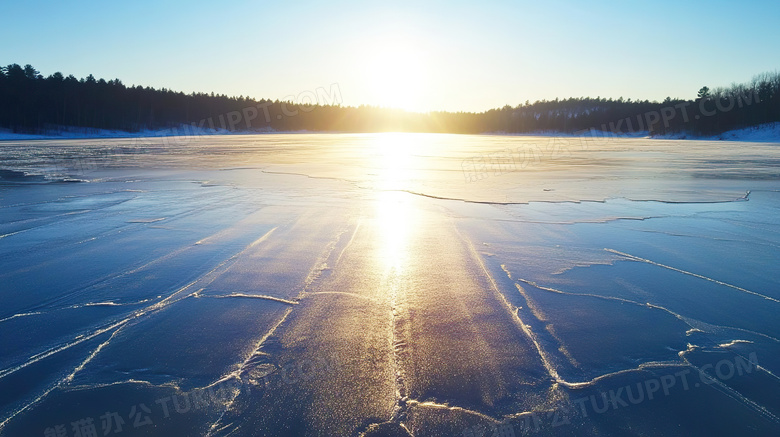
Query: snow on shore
x,y
764,133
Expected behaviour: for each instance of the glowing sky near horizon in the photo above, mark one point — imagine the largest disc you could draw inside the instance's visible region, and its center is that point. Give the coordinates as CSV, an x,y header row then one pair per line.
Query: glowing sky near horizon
x,y
435,55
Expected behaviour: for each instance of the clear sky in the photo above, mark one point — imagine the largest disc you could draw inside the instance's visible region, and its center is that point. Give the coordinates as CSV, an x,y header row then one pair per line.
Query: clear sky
x,y
419,55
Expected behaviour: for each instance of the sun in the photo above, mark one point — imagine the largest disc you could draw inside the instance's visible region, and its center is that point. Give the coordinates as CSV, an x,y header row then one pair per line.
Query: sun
x,y
396,74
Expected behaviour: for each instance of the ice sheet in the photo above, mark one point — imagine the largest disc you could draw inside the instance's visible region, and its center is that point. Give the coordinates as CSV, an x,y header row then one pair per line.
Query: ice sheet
x,y
389,284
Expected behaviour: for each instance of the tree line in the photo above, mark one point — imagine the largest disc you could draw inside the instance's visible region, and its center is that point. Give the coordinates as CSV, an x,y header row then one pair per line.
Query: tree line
x,y
32,103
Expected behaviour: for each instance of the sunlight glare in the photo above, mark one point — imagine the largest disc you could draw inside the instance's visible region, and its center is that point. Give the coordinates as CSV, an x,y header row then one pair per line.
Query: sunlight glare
x,y
397,75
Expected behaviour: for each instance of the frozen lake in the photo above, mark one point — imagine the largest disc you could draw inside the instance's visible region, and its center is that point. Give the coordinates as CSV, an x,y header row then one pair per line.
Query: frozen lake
x,y
388,285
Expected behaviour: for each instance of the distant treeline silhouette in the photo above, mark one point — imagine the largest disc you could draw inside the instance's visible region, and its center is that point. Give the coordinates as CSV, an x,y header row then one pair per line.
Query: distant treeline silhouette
x,y
30,102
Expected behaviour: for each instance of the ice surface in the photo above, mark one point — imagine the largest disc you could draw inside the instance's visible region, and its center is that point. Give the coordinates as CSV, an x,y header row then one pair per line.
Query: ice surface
x,y
389,284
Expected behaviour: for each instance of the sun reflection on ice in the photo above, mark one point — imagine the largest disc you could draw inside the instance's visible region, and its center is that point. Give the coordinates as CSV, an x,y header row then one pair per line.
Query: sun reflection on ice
x,y
393,155
394,221
394,210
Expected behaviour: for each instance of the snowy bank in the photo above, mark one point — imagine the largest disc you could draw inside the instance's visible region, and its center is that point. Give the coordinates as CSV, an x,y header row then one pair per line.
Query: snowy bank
x,y
84,133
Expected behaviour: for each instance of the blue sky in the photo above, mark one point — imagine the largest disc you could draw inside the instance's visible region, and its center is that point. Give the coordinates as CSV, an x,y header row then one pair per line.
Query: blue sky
x,y
451,55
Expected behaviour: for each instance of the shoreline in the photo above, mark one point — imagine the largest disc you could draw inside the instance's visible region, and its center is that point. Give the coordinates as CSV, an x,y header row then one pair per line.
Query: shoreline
x,y
764,133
